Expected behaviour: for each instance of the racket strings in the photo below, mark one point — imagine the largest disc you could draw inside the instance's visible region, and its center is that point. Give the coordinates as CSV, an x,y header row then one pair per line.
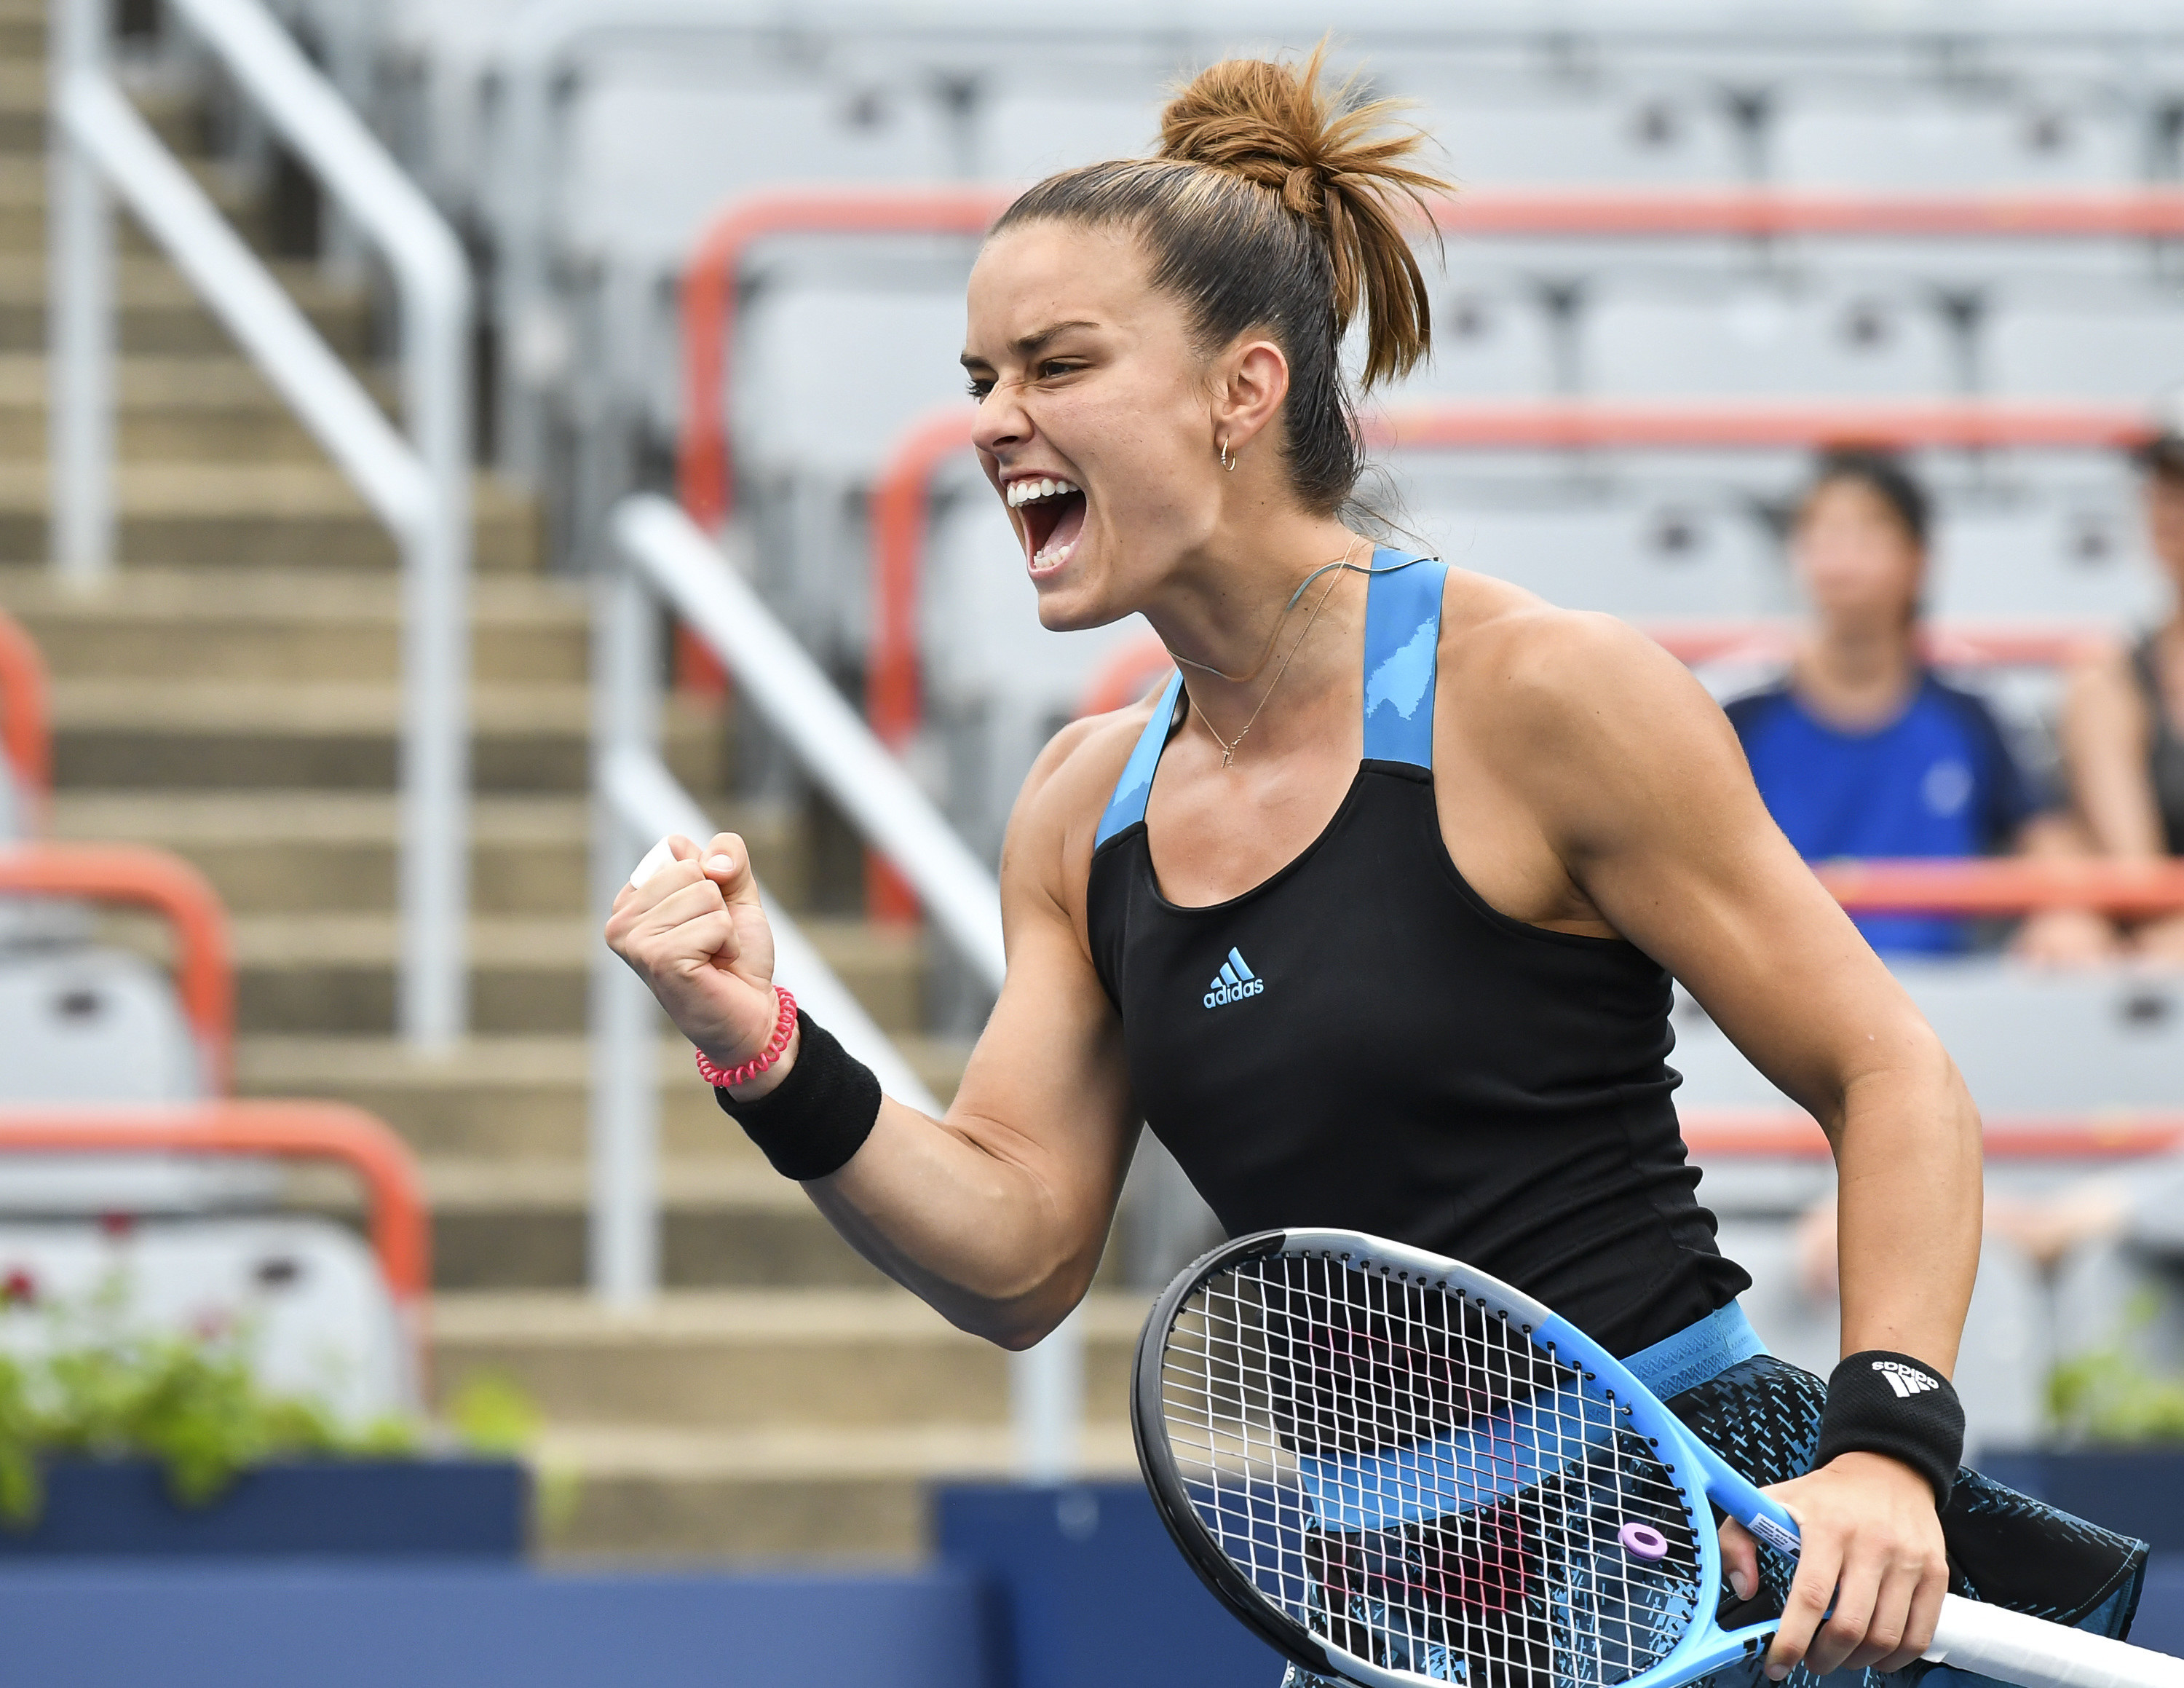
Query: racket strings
x,y
1417,1483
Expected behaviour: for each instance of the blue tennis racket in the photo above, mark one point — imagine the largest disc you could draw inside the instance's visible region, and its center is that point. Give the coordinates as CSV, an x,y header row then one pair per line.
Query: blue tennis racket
x,y
1401,1470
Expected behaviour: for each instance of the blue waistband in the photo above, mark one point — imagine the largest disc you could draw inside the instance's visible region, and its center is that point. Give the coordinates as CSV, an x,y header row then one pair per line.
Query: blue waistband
x,y
1697,1354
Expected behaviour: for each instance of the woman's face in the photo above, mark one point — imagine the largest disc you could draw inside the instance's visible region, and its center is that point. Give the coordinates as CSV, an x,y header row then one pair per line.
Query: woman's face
x,y
1853,556
1086,378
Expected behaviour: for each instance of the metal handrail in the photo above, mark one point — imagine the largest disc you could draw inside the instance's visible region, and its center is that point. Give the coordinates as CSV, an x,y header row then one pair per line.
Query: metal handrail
x,y
666,560
418,486
710,299
798,703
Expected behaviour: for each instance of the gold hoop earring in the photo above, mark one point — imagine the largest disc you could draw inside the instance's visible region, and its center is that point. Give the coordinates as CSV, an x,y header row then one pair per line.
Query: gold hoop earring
x,y
1226,461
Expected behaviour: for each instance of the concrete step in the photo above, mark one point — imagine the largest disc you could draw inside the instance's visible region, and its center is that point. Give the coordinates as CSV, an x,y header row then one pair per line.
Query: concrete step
x,y
173,115
23,189
335,852
727,1220
519,1099
256,736
286,515
743,1359
801,1424
159,312
335,972
291,625
215,408
766,1497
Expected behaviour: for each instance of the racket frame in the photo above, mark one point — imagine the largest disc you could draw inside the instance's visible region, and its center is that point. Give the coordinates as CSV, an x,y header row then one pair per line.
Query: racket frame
x,y
1701,1473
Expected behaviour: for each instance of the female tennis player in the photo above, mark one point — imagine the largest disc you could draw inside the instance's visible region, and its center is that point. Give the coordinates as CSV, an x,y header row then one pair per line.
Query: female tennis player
x,y
1372,914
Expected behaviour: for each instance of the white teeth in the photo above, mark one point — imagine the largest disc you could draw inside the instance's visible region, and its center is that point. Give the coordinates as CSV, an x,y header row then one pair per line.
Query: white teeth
x,y
1033,491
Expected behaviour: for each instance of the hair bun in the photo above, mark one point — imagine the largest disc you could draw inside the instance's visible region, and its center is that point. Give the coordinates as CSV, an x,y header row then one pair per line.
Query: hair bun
x,y
1339,167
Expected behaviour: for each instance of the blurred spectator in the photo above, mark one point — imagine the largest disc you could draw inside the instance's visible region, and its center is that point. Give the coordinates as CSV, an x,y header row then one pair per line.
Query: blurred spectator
x,y
1860,751
2123,721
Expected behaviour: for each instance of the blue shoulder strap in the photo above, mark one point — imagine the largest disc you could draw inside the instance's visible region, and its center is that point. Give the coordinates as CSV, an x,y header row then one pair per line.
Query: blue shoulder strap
x,y
1402,649
1127,807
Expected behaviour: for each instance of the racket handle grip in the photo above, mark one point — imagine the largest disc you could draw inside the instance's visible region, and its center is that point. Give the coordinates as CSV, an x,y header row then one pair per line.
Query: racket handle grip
x,y
1990,1642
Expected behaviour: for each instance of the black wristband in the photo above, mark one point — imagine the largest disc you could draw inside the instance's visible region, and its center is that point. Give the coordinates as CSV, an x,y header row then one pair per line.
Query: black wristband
x,y
810,1123
1884,1403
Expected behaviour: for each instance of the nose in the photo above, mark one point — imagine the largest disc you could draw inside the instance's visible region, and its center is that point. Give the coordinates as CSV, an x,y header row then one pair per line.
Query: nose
x,y
1001,424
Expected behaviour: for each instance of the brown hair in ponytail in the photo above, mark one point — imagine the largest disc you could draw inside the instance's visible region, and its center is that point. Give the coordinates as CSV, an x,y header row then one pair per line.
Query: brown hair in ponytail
x,y
1270,206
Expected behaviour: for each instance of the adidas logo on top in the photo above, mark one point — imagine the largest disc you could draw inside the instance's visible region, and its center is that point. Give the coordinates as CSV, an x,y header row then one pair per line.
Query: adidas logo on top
x,y
1906,1380
1234,982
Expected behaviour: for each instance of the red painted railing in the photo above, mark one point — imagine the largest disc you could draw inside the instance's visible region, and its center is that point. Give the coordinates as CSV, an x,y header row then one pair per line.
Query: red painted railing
x,y
2129,1134
400,1223
26,731
136,876
705,465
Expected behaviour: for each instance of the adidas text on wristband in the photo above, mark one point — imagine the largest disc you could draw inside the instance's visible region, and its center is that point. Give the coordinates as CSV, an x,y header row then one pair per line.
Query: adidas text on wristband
x,y
1891,1404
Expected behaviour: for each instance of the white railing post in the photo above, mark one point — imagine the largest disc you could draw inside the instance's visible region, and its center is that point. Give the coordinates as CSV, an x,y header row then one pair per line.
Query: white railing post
x,y
79,312
663,551
419,486
624,1214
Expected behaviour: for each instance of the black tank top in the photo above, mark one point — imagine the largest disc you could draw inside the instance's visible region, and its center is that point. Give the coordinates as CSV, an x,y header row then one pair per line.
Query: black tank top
x,y
1362,1041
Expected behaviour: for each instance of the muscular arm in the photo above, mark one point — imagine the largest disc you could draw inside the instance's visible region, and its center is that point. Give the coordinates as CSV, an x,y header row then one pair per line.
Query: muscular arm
x,y
1641,792
996,1213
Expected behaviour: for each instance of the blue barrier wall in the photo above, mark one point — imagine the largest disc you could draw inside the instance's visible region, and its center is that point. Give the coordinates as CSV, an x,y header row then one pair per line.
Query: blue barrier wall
x,y
451,1625
1090,1592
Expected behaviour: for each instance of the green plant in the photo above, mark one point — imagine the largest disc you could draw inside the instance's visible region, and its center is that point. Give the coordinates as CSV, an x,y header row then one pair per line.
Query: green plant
x,y
2111,1395
97,1388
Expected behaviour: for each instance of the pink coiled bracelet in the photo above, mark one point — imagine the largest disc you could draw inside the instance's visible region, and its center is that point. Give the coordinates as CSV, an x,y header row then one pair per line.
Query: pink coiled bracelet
x,y
784,1028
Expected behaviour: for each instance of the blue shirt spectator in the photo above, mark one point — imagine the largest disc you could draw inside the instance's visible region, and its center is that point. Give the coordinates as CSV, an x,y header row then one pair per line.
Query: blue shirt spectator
x,y
1937,780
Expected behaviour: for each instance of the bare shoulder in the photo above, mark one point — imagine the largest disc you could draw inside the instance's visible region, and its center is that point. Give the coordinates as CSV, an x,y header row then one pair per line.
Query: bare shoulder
x,y
1058,811
1520,662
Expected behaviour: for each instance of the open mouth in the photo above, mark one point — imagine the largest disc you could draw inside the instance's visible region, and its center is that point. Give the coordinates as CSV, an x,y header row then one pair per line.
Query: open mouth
x,y
1052,512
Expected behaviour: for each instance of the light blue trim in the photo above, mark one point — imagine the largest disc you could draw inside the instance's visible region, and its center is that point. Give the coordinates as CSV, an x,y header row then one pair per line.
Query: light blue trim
x,y
1402,649
1481,1465
1697,1354
1127,807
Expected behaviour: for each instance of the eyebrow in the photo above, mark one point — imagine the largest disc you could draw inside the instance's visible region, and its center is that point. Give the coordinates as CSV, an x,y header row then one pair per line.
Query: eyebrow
x,y
1027,344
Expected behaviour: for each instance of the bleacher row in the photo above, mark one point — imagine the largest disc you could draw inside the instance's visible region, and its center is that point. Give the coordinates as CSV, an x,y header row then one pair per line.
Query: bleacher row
x,y
843,340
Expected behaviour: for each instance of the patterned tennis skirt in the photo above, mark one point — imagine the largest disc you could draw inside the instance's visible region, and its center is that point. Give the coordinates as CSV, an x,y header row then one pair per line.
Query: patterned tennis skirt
x,y
1763,1416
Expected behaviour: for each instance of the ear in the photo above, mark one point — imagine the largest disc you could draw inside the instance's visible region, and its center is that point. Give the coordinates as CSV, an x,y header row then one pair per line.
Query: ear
x,y
1250,381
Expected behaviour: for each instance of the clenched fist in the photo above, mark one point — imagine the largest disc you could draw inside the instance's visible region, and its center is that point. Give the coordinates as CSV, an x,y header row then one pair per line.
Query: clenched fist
x,y
696,933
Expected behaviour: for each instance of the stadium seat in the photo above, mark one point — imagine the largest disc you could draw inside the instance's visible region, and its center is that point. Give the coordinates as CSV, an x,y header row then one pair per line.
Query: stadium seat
x,y
1026,133
828,378
1497,137
1906,137
1757,338
2073,559
2128,346
651,155
1642,560
303,1292
1489,339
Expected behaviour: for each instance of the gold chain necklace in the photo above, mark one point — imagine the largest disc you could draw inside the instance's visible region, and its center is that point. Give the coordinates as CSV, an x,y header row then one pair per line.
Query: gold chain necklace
x,y
1228,745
